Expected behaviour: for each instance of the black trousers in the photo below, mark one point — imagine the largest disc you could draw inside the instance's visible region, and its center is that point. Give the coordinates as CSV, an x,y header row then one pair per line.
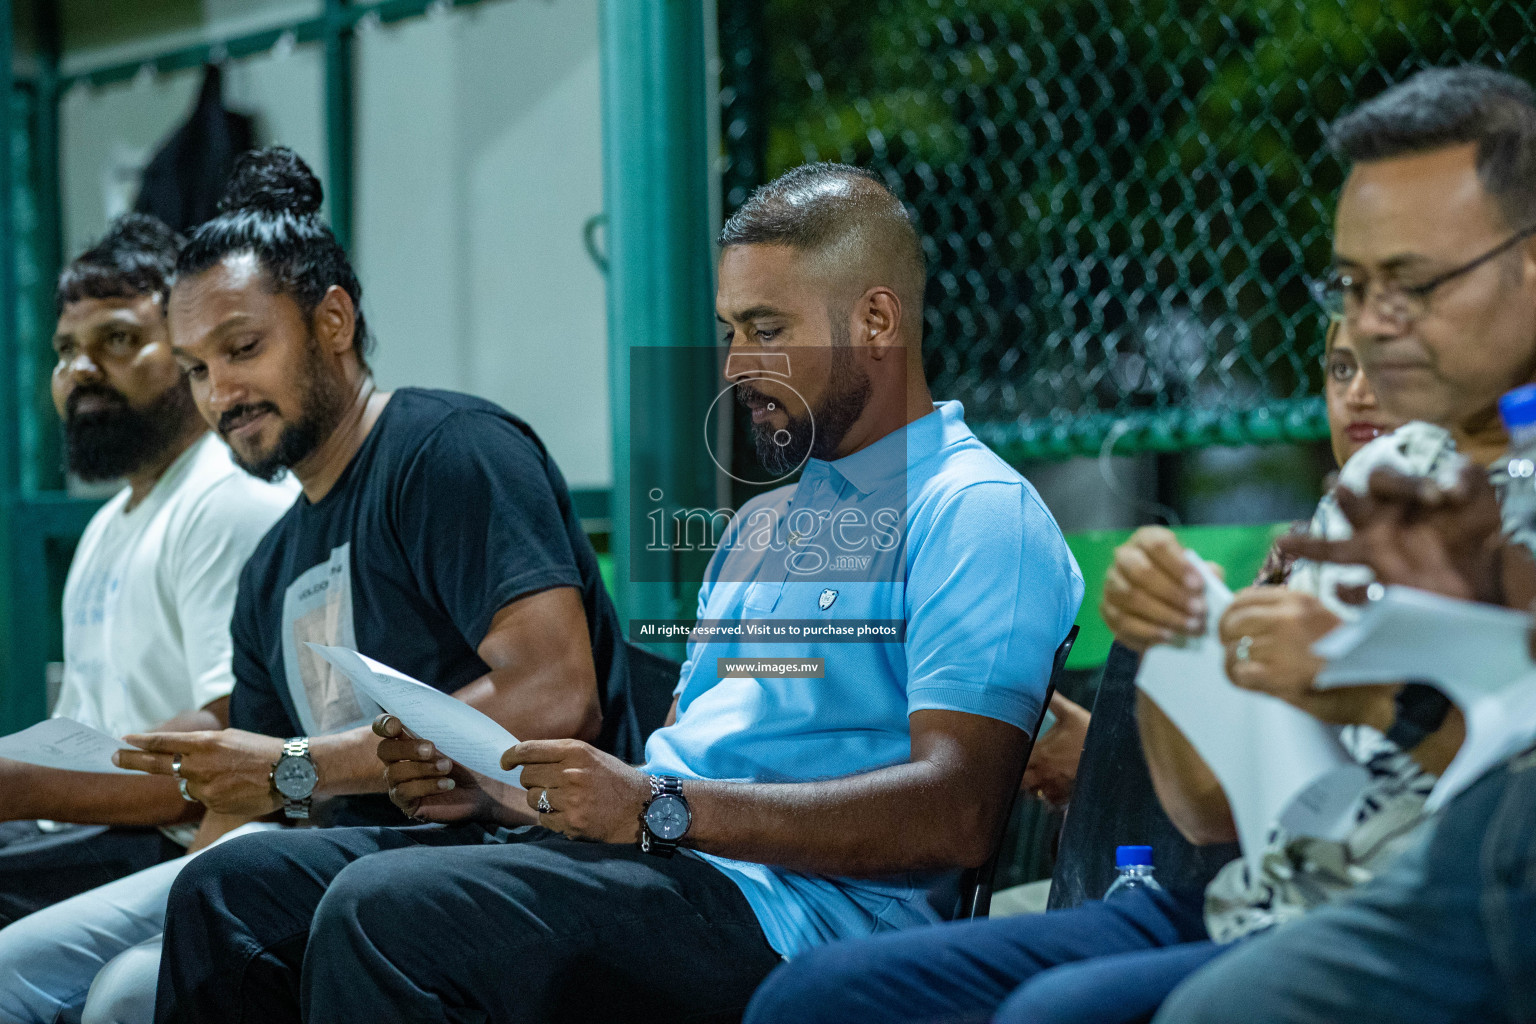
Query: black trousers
x,y
40,868
419,925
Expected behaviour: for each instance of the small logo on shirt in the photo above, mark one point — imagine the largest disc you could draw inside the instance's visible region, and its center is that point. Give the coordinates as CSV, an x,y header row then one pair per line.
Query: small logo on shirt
x,y
827,597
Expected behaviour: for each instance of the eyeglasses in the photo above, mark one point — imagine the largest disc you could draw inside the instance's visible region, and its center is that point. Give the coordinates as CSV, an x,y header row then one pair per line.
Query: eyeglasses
x,y
1345,294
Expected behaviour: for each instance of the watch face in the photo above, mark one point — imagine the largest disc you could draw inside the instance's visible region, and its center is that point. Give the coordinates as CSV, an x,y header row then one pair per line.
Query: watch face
x,y
294,777
667,817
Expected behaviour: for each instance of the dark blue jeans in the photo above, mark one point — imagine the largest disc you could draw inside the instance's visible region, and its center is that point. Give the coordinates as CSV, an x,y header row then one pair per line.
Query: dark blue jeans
x,y
1101,963
431,924
1447,934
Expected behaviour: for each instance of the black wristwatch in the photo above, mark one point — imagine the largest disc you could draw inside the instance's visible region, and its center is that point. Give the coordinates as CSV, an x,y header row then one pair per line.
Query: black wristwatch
x,y
665,818
1421,709
294,778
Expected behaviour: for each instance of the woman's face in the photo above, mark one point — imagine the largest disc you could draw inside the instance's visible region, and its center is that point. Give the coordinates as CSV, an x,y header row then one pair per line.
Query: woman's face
x,y
1354,418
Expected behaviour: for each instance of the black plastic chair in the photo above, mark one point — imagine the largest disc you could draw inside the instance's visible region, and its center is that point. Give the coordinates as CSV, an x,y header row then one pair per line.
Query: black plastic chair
x,y
1113,804
976,883
652,678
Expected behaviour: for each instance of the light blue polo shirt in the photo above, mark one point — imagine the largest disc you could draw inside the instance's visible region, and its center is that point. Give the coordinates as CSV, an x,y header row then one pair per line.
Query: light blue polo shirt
x,y
985,585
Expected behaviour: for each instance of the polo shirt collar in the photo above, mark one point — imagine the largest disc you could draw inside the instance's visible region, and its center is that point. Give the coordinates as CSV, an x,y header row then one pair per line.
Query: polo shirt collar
x,y
876,465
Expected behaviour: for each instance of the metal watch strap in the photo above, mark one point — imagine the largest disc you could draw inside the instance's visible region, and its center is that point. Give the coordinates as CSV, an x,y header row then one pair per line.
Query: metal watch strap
x,y
661,785
297,810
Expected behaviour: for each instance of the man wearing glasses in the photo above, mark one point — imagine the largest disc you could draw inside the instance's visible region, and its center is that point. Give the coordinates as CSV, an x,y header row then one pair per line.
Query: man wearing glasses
x,y
1436,279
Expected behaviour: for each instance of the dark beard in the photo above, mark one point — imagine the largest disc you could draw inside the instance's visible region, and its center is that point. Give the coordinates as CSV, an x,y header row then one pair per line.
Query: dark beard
x,y
113,443
321,408
820,434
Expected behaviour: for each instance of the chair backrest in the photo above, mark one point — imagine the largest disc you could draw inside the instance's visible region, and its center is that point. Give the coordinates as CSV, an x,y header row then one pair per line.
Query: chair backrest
x,y
976,883
652,678
1113,804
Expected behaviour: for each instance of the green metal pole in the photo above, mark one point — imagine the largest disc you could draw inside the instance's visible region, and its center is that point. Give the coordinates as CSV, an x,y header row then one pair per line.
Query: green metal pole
x,y
661,275
339,117
9,467
40,466
11,641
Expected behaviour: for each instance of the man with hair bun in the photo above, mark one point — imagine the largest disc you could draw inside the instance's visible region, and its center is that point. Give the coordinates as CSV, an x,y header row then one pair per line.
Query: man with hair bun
x,y
433,532
146,604
771,813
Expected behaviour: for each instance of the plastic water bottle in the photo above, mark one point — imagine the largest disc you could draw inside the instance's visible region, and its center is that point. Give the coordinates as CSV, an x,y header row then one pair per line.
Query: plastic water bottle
x,y
1515,476
1134,865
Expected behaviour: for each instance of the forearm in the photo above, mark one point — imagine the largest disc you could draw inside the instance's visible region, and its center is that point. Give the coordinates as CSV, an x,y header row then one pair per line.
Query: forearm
x,y
1434,755
556,700
214,715
1189,791
904,818
215,826
347,763
91,798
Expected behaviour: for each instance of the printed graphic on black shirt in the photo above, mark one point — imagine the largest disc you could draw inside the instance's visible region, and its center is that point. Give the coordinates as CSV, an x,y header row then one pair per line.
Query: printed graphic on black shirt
x,y
317,608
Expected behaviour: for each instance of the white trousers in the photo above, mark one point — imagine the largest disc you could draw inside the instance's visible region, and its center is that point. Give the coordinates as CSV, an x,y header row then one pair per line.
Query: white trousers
x,y
95,958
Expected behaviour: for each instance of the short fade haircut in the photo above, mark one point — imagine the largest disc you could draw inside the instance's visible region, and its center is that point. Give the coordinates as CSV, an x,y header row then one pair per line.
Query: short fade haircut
x,y
1442,107
826,210
271,209
136,257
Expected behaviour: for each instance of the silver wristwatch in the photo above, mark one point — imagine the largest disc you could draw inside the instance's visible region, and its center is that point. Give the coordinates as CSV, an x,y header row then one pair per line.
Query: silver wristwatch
x,y
666,817
294,778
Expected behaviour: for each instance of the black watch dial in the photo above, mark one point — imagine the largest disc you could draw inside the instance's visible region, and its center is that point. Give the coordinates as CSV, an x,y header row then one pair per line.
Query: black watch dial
x,y
667,817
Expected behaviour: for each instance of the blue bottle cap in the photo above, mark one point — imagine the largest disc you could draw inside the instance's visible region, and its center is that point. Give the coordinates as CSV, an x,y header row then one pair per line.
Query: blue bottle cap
x,y
1517,408
1133,856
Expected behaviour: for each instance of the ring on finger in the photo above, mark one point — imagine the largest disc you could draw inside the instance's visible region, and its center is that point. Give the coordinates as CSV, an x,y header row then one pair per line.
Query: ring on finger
x,y
181,783
1244,649
544,807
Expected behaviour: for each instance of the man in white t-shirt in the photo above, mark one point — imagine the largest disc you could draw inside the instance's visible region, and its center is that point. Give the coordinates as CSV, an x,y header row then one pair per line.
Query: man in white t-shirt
x,y
150,592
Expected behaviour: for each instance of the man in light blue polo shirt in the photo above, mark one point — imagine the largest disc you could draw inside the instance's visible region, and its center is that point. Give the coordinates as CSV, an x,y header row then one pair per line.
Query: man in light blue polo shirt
x,y
989,592
779,808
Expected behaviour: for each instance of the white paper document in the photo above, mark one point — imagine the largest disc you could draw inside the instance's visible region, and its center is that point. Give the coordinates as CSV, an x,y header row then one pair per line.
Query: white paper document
x,y
1476,654
1270,758
67,744
459,731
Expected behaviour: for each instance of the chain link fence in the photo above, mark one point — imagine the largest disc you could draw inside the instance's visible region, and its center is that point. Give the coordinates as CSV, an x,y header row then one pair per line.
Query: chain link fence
x,y
1122,201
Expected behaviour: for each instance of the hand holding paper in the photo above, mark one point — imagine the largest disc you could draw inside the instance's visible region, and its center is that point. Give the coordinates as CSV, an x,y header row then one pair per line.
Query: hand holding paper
x,y
1477,654
464,734
1263,751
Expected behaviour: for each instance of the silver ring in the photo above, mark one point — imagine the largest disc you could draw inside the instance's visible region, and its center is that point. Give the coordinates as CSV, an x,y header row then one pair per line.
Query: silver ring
x,y
1243,649
181,783
544,807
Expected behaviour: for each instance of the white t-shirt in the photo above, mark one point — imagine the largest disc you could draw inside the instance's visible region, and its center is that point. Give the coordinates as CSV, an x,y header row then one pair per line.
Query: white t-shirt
x,y
150,592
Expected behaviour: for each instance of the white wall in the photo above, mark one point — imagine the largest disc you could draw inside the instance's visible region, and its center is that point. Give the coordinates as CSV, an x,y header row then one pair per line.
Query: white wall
x,y
108,134
478,160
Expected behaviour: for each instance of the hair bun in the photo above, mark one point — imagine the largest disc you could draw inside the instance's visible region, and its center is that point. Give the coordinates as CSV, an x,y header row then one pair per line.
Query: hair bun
x,y
272,180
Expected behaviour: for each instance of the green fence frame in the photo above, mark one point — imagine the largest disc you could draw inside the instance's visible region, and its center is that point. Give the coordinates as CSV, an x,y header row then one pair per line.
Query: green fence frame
x,y
653,72
656,165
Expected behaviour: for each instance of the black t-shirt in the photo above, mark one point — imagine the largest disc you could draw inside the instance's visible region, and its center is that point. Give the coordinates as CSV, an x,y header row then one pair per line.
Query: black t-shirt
x,y
450,511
